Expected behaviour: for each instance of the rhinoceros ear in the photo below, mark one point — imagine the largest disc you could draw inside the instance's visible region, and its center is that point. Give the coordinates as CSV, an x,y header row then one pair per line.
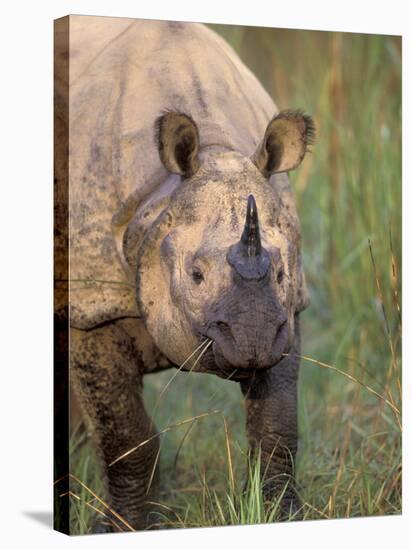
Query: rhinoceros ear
x,y
177,140
285,143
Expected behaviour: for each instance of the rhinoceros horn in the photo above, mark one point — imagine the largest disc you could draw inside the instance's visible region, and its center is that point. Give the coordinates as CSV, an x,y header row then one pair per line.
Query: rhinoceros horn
x,y
248,257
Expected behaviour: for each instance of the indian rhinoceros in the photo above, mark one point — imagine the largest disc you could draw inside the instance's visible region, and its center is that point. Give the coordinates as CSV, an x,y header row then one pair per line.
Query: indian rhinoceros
x,y
183,236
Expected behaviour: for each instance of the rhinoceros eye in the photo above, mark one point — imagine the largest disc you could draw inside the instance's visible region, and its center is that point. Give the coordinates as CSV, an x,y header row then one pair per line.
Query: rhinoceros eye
x,y
280,275
197,276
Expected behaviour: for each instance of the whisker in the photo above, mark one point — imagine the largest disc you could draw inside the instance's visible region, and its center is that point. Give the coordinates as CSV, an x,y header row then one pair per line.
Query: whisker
x,y
191,425
219,390
183,364
156,406
201,355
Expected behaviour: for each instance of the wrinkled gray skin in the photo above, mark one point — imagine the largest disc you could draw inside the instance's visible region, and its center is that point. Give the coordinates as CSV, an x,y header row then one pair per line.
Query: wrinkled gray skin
x,y
170,148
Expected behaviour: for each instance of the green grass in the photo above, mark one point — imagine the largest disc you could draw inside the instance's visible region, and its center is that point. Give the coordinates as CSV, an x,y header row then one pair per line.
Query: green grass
x,y
349,199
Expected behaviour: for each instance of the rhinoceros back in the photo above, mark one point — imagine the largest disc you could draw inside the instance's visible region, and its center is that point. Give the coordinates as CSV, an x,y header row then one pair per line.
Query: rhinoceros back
x,y
123,74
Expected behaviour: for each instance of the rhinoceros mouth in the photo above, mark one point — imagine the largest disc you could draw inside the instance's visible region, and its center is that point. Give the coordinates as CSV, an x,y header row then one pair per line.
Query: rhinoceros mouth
x,y
227,355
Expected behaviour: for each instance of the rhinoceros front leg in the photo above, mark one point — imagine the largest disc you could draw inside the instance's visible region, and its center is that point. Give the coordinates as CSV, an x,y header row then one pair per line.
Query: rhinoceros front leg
x,y
105,372
271,423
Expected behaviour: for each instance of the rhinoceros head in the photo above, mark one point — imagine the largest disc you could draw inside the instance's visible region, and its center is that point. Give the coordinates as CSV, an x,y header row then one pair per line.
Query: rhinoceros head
x,y
221,263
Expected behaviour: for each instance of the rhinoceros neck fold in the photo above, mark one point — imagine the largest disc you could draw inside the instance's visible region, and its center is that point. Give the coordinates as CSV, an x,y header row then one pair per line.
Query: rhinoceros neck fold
x,y
215,136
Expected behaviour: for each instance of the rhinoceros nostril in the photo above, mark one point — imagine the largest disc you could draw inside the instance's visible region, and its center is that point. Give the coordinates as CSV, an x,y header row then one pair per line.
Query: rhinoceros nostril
x,y
223,328
222,333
